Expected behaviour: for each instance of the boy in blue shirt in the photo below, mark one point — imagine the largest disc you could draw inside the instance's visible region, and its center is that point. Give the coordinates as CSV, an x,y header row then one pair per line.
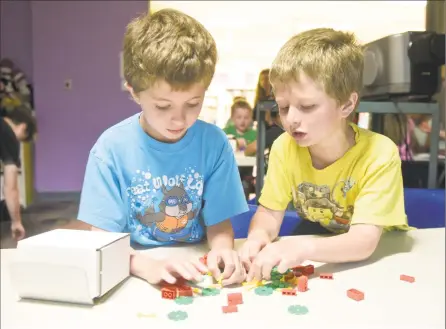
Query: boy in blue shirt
x,y
163,175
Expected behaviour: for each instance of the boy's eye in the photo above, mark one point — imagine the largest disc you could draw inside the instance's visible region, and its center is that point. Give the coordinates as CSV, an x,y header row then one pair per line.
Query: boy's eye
x,y
308,107
193,105
162,108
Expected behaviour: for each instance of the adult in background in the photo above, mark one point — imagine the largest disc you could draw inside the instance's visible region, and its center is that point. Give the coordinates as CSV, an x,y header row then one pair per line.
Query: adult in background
x,y
16,126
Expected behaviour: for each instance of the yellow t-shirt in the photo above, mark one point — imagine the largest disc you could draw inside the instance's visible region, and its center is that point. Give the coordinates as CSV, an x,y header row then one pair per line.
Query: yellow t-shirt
x,y
365,186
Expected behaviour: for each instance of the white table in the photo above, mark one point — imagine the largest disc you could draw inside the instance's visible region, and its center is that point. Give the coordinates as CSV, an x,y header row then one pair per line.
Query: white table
x,y
389,302
244,161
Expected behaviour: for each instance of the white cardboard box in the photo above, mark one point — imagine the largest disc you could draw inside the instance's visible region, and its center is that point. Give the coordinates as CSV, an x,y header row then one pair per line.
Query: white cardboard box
x,y
70,265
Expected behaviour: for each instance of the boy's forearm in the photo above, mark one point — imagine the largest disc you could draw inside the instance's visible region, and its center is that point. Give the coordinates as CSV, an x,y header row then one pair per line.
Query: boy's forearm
x,y
347,247
264,227
221,235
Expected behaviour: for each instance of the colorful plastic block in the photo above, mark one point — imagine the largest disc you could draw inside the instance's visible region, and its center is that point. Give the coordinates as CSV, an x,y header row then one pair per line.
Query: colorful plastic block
x,y
302,284
355,294
289,292
235,298
407,278
328,276
168,293
230,309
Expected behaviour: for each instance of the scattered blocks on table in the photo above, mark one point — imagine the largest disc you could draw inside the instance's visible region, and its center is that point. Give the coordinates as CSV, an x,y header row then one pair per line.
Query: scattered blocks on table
x,y
355,294
407,278
230,309
328,276
302,284
235,298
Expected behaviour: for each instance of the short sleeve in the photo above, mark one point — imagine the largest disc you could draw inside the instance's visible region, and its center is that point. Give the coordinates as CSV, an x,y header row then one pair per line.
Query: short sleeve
x,y
276,192
9,150
101,203
380,200
223,193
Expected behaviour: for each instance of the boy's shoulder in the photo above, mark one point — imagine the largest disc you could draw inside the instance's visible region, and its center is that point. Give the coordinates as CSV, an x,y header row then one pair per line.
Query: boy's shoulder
x,y
376,147
115,136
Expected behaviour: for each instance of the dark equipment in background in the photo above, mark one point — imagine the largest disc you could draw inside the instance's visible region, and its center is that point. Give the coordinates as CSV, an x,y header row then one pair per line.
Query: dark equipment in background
x,y
403,67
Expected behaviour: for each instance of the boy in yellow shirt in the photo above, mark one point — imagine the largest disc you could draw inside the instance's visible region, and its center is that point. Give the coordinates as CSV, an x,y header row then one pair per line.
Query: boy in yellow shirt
x,y
341,179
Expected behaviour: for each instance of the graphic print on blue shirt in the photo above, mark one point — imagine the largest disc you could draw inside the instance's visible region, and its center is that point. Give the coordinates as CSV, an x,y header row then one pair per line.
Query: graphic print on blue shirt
x,y
166,209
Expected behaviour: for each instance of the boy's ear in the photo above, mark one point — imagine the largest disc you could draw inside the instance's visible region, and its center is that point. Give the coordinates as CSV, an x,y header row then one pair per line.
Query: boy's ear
x,y
132,92
350,105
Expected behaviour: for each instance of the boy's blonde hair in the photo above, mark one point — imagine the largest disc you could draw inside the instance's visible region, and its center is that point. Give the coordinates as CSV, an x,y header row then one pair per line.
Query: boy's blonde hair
x,y
168,45
333,59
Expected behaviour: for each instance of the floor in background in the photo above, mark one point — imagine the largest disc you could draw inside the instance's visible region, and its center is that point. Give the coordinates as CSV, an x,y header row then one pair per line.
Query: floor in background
x,y
44,216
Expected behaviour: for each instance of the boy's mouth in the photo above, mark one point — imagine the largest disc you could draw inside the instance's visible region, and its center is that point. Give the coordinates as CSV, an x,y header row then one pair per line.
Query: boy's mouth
x,y
298,135
175,131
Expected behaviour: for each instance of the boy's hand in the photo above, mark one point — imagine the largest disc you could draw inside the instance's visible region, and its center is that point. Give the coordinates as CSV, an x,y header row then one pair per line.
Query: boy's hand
x,y
284,254
155,271
249,251
241,143
228,259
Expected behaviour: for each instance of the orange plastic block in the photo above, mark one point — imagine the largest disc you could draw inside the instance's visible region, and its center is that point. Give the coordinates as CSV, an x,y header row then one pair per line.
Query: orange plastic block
x,y
355,294
328,276
185,291
289,292
407,278
235,298
230,309
168,293
302,284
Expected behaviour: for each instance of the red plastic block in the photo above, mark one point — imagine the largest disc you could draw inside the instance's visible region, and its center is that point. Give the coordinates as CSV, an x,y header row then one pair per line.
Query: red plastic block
x,y
407,278
328,276
185,291
302,284
308,270
235,298
168,293
230,309
355,294
289,292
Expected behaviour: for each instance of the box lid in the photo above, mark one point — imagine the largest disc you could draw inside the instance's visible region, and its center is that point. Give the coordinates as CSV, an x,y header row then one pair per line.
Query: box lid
x,y
65,238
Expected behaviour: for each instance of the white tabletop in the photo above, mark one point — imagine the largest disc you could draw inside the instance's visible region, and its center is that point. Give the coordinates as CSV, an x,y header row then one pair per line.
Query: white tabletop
x,y
389,302
244,161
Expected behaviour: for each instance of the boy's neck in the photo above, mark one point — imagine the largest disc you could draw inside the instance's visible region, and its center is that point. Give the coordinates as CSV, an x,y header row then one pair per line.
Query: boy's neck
x,y
332,149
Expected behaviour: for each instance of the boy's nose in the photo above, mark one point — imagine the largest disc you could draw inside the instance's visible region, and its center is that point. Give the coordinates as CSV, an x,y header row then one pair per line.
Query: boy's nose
x,y
293,117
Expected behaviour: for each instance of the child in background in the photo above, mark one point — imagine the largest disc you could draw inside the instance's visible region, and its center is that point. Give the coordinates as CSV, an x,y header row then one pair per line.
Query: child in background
x,y
163,175
241,116
345,182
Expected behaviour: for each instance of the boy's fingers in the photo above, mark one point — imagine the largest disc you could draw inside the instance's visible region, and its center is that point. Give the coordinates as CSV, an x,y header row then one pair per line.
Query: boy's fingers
x,y
168,277
181,270
200,266
229,263
193,271
212,262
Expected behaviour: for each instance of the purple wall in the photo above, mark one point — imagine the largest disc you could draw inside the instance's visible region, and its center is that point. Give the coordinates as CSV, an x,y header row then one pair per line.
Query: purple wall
x,y
78,40
15,34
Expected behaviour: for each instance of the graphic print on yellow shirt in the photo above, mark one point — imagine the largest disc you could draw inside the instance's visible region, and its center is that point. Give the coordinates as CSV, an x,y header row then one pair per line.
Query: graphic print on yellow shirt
x,y
365,186
320,204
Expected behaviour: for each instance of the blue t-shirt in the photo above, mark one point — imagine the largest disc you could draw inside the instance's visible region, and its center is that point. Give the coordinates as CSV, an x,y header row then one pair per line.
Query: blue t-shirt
x,y
161,193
